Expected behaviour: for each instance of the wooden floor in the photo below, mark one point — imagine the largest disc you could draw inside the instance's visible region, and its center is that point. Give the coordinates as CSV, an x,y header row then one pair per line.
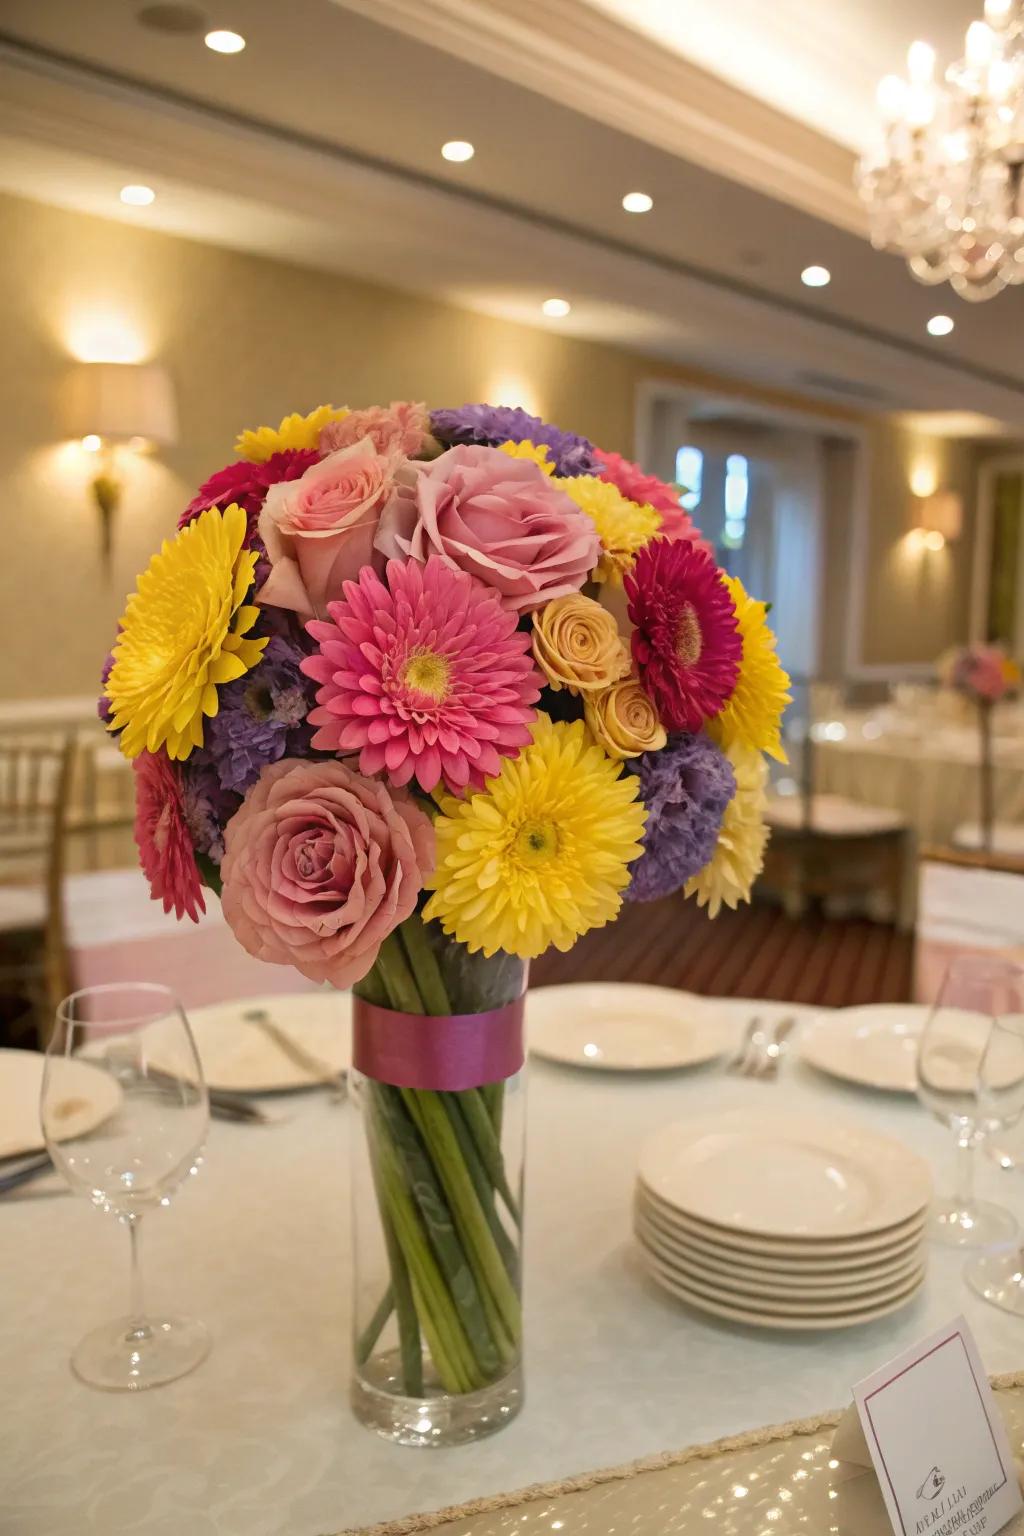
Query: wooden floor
x,y
756,951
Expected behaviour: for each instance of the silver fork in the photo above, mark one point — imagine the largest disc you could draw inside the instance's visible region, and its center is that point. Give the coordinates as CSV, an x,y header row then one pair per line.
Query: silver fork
x,y
765,1064
753,1042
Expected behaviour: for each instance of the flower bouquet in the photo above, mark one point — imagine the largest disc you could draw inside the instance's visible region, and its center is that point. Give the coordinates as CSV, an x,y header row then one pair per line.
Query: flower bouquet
x,y
374,699
984,675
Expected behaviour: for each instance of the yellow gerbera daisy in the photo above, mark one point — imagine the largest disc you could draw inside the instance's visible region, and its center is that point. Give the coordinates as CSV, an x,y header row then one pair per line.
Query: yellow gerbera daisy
x,y
753,715
257,444
182,634
537,452
742,838
541,854
623,526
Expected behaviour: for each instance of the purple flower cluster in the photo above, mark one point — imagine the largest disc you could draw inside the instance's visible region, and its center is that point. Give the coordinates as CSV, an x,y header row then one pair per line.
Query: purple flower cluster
x,y
261,717
207,807
491,425
686,788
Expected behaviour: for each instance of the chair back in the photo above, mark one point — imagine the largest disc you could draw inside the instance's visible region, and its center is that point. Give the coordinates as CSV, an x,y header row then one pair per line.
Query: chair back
x,y
969,902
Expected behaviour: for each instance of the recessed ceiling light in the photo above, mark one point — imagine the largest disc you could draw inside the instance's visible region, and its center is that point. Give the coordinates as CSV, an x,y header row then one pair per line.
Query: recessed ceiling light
x,y
223,41
137,196
555,308
458,150
940,325
638,202
815,277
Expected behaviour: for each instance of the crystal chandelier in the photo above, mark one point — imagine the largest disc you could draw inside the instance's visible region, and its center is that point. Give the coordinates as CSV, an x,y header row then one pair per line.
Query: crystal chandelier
x,y
946,189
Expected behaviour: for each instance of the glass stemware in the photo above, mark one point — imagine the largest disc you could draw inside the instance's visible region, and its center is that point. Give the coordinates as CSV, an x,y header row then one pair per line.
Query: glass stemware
x,y
124,1113
976,991
999,1276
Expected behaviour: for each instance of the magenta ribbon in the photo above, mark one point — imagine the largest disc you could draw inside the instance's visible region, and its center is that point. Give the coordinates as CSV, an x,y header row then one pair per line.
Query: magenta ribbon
x,y
450,1051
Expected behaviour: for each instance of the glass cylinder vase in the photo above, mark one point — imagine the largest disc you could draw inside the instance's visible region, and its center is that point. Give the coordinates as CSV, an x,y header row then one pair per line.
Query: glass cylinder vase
x,y
437,1172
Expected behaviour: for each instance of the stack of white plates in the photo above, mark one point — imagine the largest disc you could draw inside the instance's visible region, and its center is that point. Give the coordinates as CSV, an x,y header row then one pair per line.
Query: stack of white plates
x,y
783,1221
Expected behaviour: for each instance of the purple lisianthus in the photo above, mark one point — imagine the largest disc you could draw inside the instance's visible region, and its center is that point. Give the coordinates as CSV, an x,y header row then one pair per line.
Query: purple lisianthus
x,y
686,788
261,717
491,425
207,806
103,708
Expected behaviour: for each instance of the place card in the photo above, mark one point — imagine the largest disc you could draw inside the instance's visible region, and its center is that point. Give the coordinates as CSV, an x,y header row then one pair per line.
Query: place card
x,y
937,1441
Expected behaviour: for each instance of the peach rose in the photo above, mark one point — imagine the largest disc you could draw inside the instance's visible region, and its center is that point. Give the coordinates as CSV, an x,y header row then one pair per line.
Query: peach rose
x,y
402,427
623,720
498,518
319,529
320,865
577,644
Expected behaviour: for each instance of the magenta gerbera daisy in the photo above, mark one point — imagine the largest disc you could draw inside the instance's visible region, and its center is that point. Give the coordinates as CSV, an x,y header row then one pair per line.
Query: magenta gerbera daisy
x,y
686,640
424,674
161,833
247,485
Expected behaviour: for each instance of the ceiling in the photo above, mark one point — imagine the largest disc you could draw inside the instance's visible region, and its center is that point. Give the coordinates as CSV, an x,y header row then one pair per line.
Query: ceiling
x,y
320,143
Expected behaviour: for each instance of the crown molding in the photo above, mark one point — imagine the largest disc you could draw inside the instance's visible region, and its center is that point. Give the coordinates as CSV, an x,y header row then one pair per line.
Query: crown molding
x,y
585,60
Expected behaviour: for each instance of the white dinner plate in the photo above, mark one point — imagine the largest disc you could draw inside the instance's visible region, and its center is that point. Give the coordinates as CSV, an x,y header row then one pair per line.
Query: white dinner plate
x,y
875,1046
88,1097
785,1175
798,1314
238,1055
625,1027
799,1253
739,1280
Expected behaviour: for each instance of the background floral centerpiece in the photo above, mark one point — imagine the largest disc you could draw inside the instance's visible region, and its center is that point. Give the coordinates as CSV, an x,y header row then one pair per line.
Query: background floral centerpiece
x,y
984,675
374,701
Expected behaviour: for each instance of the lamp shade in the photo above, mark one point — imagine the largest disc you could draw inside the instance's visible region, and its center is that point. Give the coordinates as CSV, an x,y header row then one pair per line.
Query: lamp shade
x,y
941,512
121,401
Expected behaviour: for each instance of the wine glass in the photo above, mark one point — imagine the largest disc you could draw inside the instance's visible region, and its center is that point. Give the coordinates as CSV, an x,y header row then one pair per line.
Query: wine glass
x,y
975,992
124,1113
999,1277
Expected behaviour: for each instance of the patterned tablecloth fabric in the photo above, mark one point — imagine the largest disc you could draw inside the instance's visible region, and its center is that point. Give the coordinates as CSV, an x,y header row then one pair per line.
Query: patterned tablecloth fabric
x,y
259,1441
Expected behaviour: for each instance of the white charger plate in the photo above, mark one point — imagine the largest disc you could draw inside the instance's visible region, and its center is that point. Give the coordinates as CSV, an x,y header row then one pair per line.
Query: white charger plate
x,y
89,1096
796,1313
776,1321
874,1046
239,1056
739,1280
626,1027
768,1259
787,1176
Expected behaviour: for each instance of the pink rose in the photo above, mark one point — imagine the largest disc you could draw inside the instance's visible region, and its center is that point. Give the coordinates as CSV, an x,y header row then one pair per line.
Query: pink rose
x,y
320,865
498,518
319,529
403,427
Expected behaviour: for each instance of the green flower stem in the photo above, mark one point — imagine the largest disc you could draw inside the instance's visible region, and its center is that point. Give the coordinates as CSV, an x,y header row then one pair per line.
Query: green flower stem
x,y
429,1113
409,1347
437,1219
481,1182
367,1341
441,1323
423,963
393,968
493,1095
372,987
474,1108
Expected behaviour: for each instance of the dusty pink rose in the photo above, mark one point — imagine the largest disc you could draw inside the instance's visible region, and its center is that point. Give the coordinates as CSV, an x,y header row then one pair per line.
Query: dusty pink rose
x,y
498,518
320,865
319,529
402,427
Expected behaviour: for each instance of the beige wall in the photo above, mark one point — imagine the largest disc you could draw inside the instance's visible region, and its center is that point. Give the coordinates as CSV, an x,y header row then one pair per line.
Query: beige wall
x,y
245,340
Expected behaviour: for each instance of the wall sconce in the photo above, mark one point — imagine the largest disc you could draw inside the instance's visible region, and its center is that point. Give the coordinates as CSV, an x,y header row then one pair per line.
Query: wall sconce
x,y
934,520
110,405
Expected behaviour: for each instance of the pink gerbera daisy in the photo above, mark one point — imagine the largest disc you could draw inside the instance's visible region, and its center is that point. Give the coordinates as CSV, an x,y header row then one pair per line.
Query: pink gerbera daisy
x,y
165,848
424,674
637,485
686,640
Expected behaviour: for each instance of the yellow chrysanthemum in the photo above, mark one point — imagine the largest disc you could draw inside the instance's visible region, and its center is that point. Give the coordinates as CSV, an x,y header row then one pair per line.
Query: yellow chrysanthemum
x,y
536,452
541,854
742,838
623,526
257,444
182,634
753,715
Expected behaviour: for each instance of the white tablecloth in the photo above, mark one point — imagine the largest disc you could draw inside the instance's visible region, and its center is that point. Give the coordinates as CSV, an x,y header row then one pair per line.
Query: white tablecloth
x,y
260,1440
931,779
